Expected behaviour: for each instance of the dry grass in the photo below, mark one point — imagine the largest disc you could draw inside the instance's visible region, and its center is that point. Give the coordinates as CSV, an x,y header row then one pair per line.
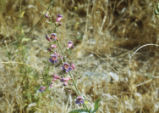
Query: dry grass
x,y
105,33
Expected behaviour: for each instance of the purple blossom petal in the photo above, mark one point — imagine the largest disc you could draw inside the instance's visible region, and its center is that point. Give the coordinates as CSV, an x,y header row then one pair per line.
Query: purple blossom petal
x,y
42,88
66,67
79,100
53,59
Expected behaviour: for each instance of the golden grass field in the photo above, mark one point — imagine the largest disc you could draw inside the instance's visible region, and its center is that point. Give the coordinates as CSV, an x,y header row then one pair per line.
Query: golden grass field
x,y
111,62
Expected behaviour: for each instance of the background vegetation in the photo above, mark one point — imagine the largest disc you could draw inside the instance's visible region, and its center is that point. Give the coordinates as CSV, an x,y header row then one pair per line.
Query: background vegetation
x,y
105,33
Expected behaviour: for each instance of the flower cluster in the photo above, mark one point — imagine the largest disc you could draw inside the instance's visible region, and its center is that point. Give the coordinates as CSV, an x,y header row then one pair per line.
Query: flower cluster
x,y
62,79
56,57
51,37
67,67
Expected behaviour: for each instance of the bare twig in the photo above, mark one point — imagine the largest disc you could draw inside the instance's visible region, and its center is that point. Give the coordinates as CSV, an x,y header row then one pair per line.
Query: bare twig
x,y
143,47
143,83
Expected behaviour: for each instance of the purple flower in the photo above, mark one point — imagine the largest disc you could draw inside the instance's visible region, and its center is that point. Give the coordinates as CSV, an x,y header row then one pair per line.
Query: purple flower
x,y
53,46
65,80
53,36
59,15
47,38
73,66
55,77
66,67
53,59
70,45
47,15
79,100
59,18
42,88
65,83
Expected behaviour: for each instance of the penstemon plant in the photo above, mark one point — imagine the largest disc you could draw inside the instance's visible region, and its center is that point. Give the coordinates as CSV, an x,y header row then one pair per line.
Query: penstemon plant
x,y
56,57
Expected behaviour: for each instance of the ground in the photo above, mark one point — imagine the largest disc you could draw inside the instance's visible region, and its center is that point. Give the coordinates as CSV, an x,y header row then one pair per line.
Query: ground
x,y
116,55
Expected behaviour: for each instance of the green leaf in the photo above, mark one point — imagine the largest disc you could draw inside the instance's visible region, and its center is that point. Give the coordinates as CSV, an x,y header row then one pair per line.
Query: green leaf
x,y
25,39
80,111
156,12
96,105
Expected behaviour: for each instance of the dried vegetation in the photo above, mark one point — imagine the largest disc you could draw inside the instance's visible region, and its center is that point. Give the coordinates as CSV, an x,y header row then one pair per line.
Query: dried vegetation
x,y
105,33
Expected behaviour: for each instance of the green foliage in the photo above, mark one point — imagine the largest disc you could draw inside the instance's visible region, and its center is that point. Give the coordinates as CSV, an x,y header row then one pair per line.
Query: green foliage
x,y
96,106
157,9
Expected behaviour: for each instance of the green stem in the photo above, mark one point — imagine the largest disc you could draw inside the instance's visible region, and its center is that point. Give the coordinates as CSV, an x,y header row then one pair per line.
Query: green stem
x,y
73,80
63,59
74,83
